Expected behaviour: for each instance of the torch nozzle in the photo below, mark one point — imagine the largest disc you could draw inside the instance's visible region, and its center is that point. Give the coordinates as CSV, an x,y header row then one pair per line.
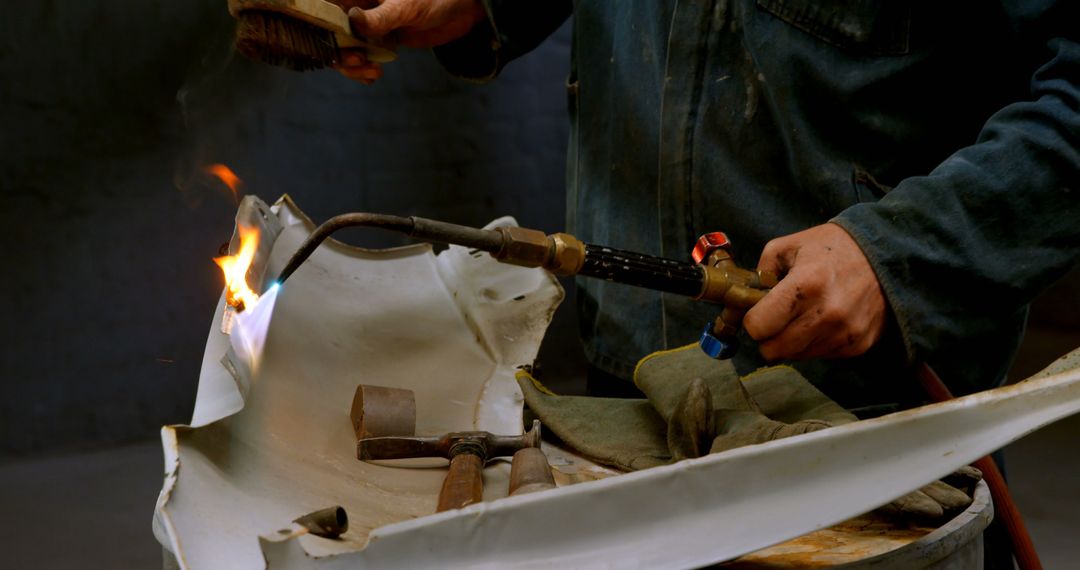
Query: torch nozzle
x,y
428,230
562,254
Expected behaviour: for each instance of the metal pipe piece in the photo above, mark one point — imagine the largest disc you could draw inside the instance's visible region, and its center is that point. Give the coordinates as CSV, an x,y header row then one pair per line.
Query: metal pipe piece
x,y
330,522
490,241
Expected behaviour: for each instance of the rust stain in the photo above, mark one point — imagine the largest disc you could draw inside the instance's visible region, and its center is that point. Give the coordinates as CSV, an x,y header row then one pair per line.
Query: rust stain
x,y
856,539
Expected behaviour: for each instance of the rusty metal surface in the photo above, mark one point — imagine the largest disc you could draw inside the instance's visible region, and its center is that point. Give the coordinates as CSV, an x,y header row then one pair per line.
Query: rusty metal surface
x,y
852,540
379,411
883,542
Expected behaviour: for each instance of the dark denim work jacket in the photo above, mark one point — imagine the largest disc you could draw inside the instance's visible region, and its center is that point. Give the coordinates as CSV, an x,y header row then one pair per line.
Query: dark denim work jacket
x,y
943,136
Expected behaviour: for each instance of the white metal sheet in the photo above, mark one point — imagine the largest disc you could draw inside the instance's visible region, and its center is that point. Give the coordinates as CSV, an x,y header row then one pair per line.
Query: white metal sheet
x,y
271,437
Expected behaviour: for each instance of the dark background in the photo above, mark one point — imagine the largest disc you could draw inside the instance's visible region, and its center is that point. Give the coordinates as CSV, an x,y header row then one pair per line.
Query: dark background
x,y
111,110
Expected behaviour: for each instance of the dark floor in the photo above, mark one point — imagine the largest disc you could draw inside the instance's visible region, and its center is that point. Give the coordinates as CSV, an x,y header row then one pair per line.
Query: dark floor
x,y
86,510
1044,475
93,509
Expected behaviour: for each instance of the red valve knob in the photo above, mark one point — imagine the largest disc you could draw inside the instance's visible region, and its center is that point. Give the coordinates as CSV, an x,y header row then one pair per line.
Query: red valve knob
x,y
709,243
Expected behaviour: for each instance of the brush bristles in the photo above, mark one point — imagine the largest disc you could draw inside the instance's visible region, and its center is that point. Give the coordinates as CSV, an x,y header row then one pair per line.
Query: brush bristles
x,y
278,39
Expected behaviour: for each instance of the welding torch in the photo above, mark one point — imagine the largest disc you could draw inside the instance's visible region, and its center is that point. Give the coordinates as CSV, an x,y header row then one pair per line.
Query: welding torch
x,y
713,275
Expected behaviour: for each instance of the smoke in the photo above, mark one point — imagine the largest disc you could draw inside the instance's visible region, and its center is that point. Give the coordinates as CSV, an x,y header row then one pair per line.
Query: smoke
x,y
216,103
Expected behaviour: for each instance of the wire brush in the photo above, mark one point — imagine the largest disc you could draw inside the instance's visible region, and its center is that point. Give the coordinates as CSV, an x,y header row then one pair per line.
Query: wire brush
x,y
299,34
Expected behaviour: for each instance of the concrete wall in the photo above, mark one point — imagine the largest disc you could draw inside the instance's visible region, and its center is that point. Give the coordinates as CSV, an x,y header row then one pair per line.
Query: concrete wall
x,y
110,109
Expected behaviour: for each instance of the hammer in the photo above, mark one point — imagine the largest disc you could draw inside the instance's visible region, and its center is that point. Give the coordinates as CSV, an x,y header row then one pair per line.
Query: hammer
x,y
466,450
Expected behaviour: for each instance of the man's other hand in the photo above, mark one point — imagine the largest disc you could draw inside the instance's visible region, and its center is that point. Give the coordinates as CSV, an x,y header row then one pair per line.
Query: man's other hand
x,y
418,23
413,23
828,303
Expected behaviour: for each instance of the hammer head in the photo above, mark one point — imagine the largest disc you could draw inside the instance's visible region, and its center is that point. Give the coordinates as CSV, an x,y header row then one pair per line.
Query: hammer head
x,y
480,443
381,411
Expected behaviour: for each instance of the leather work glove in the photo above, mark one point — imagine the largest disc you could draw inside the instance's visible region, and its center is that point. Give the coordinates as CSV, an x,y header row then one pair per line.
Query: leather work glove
x,y
716,411
696,406
623,433
709,409
939,499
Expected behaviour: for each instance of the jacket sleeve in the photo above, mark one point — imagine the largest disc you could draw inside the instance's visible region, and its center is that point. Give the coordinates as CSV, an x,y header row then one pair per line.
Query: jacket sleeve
x,y
513,28
959,250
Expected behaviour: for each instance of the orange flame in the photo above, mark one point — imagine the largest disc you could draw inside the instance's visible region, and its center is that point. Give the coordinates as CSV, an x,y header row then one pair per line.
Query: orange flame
x,y
226,175
239,295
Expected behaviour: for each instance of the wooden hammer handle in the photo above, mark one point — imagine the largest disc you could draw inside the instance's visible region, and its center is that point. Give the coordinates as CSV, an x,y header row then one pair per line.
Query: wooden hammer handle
x,y
530,472
464,483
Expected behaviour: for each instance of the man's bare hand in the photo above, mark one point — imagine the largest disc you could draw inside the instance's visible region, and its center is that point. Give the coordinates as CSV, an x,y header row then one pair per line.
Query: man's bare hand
x,y
418,23
413,23
828,304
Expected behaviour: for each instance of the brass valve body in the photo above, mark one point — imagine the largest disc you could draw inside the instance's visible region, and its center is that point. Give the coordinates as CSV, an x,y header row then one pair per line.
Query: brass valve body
x,y
561,253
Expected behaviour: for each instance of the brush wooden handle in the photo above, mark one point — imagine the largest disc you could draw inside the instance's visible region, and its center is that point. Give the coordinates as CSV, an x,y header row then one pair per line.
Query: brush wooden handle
x,y
326,15
464,483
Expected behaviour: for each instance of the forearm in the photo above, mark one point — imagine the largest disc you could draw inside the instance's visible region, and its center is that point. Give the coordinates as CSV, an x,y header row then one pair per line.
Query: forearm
x,y
975,240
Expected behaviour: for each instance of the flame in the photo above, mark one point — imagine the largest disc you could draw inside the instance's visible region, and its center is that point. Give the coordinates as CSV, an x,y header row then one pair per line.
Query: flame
x,y
239,295
226,175
248,336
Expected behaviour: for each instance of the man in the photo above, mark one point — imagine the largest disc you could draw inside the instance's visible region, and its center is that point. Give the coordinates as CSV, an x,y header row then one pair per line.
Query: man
x,y
911,171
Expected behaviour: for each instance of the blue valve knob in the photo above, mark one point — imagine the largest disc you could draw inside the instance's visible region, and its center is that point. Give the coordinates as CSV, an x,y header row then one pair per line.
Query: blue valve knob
x,y
715,347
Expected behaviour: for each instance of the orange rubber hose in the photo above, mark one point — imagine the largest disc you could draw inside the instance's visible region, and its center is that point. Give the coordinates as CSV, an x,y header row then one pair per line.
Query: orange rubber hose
x,y
1022,547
